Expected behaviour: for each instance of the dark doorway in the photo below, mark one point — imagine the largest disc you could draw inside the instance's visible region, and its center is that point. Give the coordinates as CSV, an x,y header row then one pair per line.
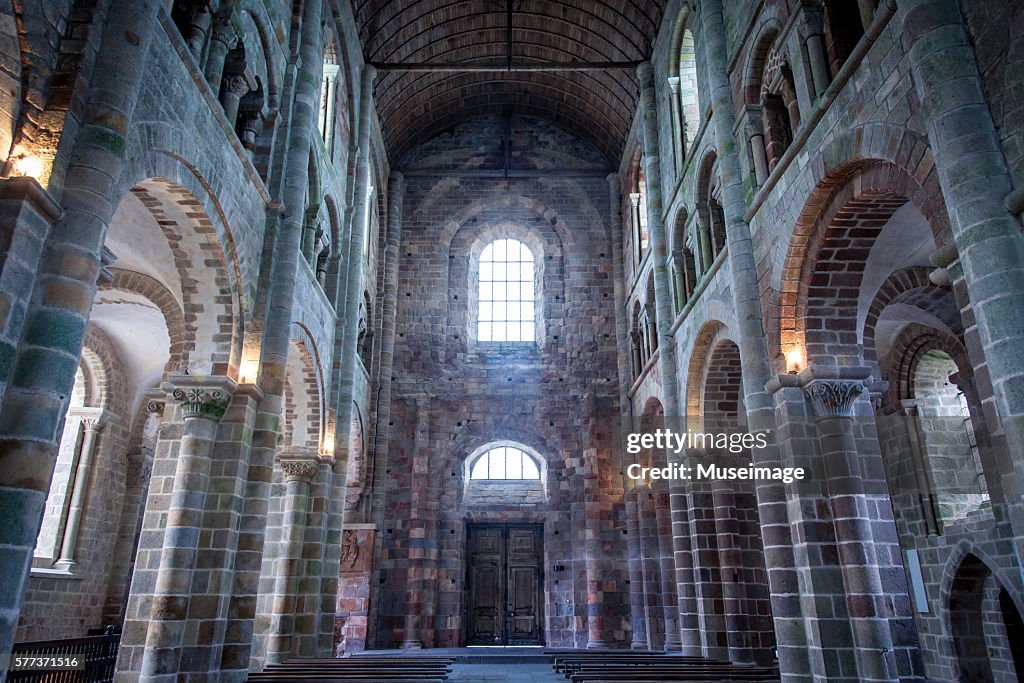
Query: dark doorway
x,y
503,578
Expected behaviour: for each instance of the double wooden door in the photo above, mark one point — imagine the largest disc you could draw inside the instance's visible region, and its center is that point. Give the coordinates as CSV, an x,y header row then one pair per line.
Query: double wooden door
x,y
504,583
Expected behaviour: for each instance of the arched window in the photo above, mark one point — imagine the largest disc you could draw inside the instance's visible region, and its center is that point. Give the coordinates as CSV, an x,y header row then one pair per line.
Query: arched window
x,y
328,97
507,293
504,462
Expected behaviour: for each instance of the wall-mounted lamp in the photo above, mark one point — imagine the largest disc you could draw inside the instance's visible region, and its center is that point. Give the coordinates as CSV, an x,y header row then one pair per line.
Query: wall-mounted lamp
x,y
795,360
248,371
31,166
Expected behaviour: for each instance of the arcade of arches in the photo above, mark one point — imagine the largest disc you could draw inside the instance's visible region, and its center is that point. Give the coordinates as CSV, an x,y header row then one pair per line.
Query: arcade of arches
x,y
315,314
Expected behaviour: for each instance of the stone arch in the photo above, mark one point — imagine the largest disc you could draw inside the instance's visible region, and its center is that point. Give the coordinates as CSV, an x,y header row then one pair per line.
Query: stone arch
x,y
475,210
967,574
911,286
166,174
157,293
757,57
710,335
304,414
852,201
194,245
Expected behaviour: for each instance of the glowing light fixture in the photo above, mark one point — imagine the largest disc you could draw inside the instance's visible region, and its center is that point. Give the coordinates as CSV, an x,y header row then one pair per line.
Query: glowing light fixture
x,y
31,166
795,360
249,371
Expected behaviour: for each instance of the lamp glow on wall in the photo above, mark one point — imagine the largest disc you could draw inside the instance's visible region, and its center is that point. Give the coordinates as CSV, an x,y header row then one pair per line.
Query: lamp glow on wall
x,y
328,447
796,360
249,371
30,166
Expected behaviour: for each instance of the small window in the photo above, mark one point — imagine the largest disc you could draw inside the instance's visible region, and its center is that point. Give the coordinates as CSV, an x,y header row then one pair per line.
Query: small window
x,y
505,462
507,293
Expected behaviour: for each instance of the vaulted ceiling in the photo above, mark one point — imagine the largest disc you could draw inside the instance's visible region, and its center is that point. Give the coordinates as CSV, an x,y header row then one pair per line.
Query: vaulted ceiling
x,y
571,62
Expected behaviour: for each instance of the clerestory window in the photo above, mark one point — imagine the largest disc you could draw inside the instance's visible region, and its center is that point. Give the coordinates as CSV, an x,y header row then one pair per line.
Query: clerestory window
x,y
504,462
507,302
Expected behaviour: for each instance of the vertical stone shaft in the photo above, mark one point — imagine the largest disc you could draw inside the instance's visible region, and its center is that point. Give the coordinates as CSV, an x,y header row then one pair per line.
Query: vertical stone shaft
x,y
637,614
791,641
975,180
650,553
658,241
666,560
378,451
170,605
298,474
662,296
43,369
419,529
730,560
347,332
223,41
92,427
689,619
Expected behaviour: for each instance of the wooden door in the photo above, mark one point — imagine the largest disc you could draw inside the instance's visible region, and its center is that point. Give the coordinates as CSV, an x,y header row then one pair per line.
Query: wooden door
x,y
503,605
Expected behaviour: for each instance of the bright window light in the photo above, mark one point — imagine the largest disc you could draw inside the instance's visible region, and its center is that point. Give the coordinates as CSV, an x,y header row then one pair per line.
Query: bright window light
x,y
505,462
507,293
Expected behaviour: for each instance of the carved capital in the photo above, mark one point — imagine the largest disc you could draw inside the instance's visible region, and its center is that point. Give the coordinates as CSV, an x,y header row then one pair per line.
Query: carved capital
x,y
236,85
833,397
224,32
299,470
196,401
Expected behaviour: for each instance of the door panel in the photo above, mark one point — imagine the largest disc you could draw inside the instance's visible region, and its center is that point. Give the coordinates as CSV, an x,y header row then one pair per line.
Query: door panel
x,y
504,584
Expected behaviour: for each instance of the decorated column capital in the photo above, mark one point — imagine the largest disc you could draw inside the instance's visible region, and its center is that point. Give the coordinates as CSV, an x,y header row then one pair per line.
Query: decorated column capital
x,y
206,398
833,397
299,470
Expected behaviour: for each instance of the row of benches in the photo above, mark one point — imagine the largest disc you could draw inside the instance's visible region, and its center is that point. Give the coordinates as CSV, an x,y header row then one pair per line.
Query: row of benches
x,y
646,667
361,669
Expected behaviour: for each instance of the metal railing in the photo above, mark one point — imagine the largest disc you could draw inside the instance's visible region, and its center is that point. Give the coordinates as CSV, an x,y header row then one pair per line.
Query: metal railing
x,y
98,652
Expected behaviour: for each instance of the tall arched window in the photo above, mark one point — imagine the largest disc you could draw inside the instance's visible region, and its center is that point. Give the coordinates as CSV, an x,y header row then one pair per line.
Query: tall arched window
x,y
504,462
507,293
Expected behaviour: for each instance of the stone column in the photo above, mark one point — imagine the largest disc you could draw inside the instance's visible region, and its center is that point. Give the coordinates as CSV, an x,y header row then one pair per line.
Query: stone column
x,y
198,28
832,401
420,533
666,562
298,474
222,42
637,613
678,125
975,180
236,86
92,425
252,124
812,33
777,539
665,315
347,331
377,453
908,410
689,616
201,406
730,562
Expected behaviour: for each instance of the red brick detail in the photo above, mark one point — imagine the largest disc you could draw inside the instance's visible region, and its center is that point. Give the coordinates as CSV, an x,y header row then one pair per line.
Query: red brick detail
x,y
832,238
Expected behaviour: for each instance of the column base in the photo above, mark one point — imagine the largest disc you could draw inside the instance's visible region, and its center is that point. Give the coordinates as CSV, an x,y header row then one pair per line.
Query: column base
x,y
412,644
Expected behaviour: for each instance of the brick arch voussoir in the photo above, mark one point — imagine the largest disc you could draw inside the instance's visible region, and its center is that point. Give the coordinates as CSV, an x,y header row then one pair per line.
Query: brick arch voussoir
x,y
161,297
106,372
909,285
875,165
310,396
173,169
711,334
910,345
